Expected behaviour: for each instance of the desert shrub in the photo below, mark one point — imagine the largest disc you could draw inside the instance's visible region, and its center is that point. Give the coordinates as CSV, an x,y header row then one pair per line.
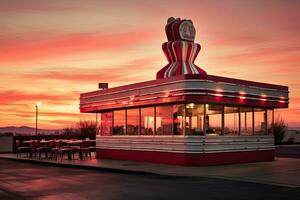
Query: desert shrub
x,y
87,128
69,131
279,128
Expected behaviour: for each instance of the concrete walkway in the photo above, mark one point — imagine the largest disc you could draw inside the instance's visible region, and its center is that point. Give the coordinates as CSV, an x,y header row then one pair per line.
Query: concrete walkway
x,y
281,172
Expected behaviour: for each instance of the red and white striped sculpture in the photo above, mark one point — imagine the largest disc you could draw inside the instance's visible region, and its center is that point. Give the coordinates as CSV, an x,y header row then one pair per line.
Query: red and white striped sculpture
x,y
180,50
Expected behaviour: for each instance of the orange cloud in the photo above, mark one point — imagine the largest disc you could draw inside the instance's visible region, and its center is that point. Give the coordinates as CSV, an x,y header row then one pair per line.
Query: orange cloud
x,y
68,44
109,74
15,96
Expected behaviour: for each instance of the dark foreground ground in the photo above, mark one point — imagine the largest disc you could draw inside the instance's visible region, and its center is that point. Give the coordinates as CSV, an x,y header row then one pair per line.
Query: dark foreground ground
x,y
25,180
288,151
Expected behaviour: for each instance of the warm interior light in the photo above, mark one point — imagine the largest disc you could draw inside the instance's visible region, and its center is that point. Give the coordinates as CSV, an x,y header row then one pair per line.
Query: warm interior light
x,y
167,94
264,97
219,91
38,104
190,105
242,95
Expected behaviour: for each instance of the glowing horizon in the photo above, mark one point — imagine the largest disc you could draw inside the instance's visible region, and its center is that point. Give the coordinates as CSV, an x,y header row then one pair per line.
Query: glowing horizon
x,y
52,52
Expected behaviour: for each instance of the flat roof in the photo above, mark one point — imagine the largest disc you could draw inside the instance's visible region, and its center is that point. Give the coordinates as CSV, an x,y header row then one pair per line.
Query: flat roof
x,y
184,88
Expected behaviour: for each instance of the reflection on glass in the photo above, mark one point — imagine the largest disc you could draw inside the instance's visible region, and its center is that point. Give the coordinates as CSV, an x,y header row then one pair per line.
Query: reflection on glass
x,y
178,113
194,119
147,121
106,123
270,121
231,121
259,121
119,122
164,120
246,121
98,123
133,121
214,119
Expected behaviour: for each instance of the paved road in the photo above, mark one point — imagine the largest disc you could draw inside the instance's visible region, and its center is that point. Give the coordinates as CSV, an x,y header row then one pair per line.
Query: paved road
x,y
288,151
23,180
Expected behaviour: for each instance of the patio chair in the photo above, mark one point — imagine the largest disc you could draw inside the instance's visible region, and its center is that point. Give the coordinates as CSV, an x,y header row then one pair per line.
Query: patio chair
x,y
53,150
43,149
85,149
92,148
34,144
75,149
22,148
63,150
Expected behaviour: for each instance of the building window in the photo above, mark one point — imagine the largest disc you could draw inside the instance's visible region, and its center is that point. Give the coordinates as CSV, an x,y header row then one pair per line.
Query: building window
x,y
119,122
133,121
178,116
164,120
246,121
270,119
106,123
231,120
147,121
98,123
259,121
194,119
214,119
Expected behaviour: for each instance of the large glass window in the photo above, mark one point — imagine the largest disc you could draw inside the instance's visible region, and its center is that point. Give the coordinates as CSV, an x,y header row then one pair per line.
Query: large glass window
x,y
133,121
194,119
270,121
246,121
164,120
231,120
98,123
178,114
259,121
119,122
106,123
147,121
214,119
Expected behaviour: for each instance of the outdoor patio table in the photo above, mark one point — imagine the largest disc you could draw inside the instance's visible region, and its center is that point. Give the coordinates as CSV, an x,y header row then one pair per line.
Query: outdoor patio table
x,y
27,141
44,141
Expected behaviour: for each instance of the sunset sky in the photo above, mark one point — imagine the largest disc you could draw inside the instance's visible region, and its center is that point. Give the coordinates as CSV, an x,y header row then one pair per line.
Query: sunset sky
x,y
51,51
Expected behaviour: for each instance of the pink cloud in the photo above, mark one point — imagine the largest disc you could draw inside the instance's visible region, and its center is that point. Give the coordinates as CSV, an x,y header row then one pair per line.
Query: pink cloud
x,y
13,50
16,96
124,73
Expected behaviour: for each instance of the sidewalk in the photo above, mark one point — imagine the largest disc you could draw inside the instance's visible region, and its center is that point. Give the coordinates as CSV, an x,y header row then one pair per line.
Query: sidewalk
x,y
282,172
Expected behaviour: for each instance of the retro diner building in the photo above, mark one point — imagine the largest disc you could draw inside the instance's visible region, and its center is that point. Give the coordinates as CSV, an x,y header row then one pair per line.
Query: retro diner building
x,y
185,116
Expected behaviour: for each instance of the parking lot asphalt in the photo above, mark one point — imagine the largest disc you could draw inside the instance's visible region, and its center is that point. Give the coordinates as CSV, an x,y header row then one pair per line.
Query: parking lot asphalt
x,y
22,180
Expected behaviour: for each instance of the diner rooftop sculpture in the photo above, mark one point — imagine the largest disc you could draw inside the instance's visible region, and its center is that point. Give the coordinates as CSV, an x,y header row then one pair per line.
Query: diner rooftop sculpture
x,y
180,50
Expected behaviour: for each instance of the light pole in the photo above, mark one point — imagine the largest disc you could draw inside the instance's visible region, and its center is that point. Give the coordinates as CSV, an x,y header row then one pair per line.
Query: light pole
x,y
36,117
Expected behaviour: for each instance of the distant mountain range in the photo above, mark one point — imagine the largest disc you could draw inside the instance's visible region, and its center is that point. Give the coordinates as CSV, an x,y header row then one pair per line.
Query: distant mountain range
x,y
25,130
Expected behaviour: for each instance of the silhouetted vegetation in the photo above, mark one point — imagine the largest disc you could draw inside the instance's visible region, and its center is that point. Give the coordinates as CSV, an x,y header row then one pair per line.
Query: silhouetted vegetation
x,y
82,128
69,131
7,134
279,129
87,128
